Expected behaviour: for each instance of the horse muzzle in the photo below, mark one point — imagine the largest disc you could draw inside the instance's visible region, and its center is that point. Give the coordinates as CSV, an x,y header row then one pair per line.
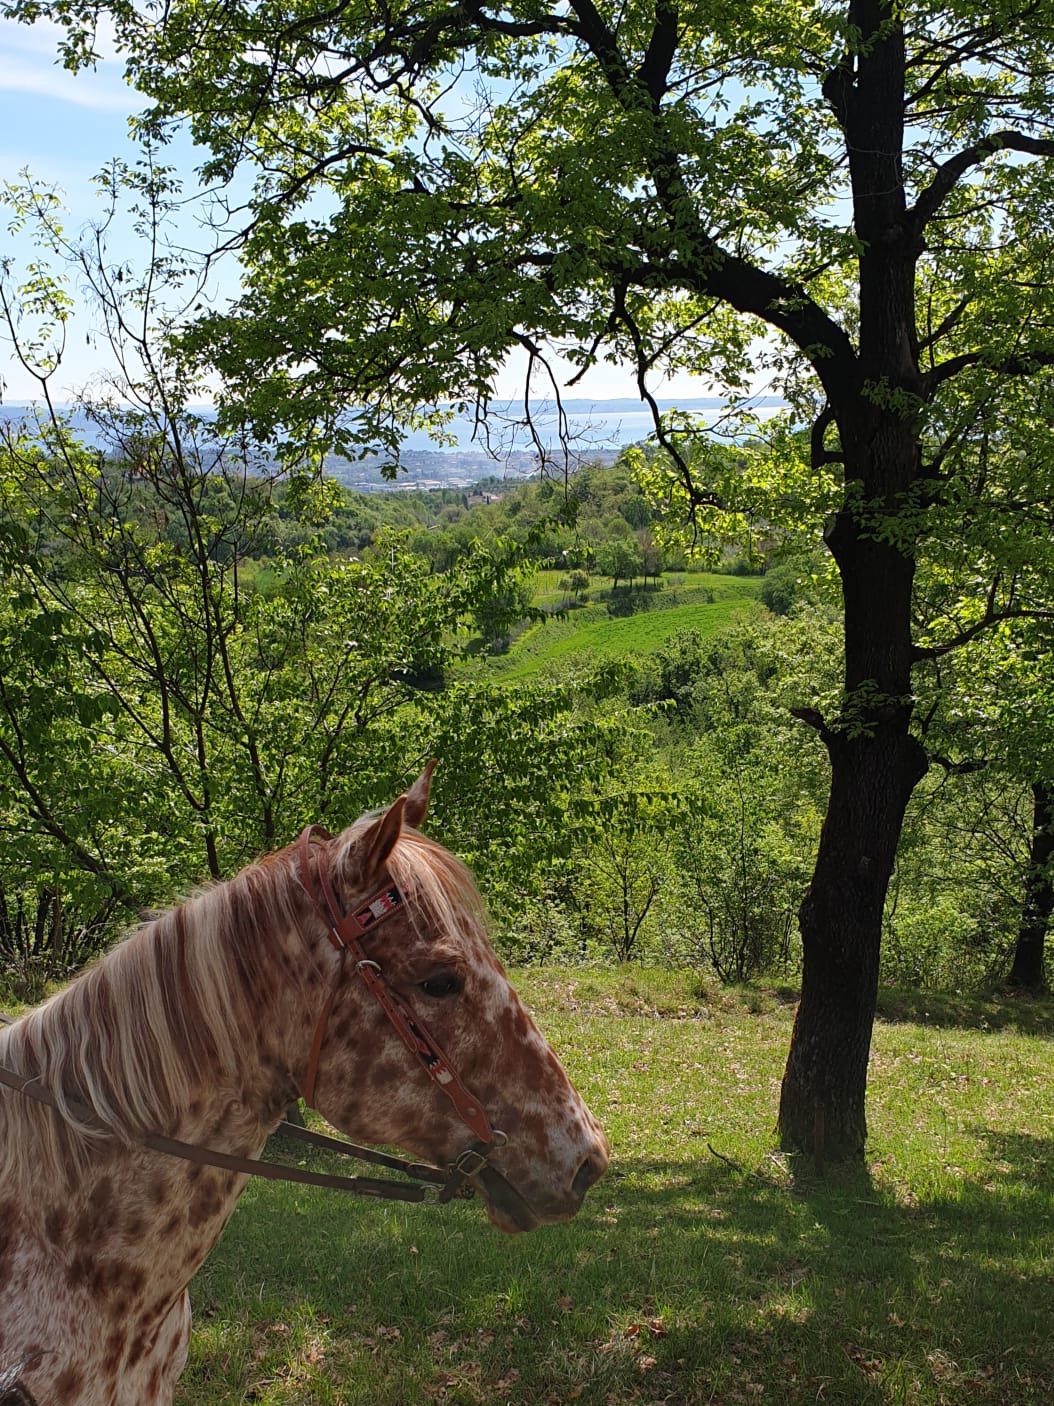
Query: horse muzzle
x,y
513,1211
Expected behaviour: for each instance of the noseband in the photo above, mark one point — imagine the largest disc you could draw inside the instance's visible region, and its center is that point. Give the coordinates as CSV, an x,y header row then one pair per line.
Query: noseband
x,y
345,931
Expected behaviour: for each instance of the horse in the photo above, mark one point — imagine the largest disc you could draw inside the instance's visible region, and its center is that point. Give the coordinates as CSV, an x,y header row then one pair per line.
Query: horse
x,y
354,971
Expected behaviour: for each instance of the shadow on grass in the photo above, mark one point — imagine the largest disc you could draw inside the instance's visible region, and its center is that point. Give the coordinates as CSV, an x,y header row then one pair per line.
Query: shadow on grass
x,y
623,601
681,1282
997,1010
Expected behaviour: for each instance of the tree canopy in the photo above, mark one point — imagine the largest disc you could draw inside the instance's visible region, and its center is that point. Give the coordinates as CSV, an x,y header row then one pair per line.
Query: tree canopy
x,y
435,184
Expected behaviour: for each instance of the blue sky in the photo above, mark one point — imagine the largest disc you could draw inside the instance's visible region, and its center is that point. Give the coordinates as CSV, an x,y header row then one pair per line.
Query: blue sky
x,y
62,128
65,127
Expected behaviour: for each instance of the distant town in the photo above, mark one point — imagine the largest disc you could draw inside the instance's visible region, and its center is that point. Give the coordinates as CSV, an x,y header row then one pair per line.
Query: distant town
x,y
576,432
421,469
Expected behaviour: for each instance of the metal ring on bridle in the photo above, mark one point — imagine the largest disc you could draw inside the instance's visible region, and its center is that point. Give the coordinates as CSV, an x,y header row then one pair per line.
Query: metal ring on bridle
x,y
474,1159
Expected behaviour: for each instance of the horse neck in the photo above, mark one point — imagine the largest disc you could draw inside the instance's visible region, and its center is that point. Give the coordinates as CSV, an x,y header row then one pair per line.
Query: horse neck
x,y
146,1042
191,1028
248,936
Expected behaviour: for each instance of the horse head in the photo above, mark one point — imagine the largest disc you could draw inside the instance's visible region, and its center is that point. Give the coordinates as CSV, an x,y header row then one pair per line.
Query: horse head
x,y
460,1070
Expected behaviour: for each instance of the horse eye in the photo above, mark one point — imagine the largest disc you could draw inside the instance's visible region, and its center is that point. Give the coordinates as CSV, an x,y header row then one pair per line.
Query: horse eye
x,y
440,985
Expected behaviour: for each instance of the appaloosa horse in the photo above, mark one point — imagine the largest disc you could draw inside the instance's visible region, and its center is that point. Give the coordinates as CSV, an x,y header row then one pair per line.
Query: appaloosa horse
x,y
341,969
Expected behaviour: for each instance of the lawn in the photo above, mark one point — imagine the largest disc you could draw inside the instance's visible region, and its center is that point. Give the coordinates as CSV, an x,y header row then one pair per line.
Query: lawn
x,y
705,1268
703,602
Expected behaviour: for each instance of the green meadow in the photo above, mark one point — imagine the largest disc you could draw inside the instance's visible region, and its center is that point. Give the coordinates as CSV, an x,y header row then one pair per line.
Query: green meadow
x,y
705,602
706,1267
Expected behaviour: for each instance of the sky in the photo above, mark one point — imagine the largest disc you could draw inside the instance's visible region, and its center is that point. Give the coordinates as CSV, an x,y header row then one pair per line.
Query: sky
x,y
64,127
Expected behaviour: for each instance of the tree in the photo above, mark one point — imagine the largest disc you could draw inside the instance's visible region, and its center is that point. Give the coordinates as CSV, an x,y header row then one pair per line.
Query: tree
x,y
854,193
1001,699
499,613
621,559
161,718
575,583
1028,967
623,871
754,792
651,556
983,607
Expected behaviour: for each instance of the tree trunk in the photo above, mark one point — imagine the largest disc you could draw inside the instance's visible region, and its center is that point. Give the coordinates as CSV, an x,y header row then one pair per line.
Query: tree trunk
x,y
875,765
875,761
1027,970
825,1081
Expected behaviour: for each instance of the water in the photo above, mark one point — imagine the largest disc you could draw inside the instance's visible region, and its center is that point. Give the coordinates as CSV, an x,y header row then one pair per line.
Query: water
x,y
592,427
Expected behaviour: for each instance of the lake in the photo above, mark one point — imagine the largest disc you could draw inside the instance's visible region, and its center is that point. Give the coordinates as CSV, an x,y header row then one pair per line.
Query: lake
x,y
592,426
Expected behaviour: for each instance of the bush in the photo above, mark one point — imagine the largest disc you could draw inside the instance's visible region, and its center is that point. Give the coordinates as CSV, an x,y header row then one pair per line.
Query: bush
x,y
540,928
736,902
936,946
781,587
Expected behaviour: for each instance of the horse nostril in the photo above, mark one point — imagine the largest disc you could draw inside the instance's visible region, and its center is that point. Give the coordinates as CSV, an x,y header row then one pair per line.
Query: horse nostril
x,y
591,1170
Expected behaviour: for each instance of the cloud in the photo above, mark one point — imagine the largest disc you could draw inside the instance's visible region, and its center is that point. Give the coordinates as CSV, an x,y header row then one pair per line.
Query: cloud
x,y
29,64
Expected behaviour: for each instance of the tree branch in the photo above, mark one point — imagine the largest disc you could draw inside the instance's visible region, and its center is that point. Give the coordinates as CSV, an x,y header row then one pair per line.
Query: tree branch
x,y
1026,364
951,171
49,822
930,653
655,69
813,718
818,454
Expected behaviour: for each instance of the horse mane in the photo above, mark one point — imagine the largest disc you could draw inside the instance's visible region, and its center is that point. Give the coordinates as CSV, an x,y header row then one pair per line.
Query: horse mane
x,y
126,1046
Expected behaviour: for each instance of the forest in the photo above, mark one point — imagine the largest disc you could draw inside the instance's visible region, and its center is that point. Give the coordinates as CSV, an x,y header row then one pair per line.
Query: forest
x,y
197,661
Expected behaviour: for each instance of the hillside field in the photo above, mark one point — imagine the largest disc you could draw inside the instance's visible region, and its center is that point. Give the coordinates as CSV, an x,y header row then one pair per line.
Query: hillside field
x,y
706,1269
700,601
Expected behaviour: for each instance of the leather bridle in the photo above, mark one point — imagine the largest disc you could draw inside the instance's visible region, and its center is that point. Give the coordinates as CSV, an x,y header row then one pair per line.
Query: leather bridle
x,y
345,931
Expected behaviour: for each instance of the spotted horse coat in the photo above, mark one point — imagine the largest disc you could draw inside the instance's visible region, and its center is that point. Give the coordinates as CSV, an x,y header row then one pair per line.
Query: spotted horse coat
x,y
200,1027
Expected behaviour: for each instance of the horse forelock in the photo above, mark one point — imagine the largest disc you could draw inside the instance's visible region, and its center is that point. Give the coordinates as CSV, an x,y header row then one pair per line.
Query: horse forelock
x,y
169,1010
443,901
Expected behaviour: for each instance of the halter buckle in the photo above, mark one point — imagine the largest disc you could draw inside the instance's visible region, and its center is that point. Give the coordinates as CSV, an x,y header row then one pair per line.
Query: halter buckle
x,y
471,1161
467,1165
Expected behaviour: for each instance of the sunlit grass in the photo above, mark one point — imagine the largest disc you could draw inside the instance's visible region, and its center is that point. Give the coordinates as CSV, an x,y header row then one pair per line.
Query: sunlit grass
x,y
705,1268
703,602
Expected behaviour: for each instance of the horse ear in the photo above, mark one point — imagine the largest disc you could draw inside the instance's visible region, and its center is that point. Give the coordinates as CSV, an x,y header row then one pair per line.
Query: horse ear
x,y
416,797
382,835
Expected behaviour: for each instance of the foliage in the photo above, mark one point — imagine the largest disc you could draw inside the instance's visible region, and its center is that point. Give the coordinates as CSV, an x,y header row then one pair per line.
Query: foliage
x,y
524,776
955,903
796,579
618,880
500,611
758,793
576,584
621,560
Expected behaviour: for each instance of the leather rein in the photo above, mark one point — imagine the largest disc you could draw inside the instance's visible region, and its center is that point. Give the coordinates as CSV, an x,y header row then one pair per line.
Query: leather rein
x,y
344,931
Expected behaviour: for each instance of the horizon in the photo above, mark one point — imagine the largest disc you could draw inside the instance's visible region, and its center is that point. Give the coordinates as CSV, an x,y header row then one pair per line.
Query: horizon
x,y
591,427
574,404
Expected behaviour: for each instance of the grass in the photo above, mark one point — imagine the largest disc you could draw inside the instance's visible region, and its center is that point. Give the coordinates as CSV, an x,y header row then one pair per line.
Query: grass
x,y
705,1268
699,601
